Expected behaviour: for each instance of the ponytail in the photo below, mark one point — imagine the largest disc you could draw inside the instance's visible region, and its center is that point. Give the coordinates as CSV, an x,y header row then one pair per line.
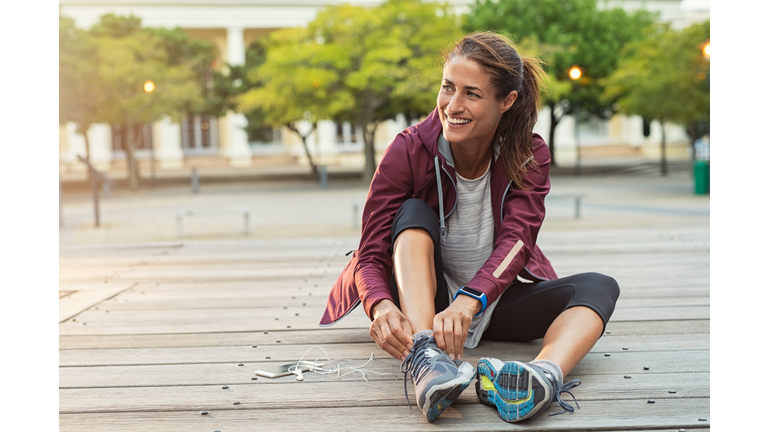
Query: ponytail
x,y
509,72
515,130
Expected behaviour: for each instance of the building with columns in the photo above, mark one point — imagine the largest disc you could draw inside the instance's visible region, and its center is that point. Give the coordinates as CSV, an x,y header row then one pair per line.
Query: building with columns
x,y
232,25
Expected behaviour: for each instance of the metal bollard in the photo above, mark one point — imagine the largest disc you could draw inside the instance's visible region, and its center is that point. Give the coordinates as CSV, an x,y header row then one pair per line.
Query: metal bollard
x,y
323,171
195,182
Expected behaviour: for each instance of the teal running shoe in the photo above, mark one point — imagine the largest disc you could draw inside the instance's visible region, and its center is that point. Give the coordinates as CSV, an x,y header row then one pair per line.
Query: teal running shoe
x,y
438,380
519,391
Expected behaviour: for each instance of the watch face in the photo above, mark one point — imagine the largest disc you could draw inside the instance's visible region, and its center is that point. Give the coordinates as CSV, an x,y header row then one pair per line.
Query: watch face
x,y
473,291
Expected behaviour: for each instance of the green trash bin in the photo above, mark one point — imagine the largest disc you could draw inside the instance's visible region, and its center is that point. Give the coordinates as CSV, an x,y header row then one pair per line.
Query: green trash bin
x,y
701,177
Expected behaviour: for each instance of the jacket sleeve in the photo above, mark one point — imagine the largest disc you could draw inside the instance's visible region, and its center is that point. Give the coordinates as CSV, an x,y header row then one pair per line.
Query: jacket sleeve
x,y
523,214
391,186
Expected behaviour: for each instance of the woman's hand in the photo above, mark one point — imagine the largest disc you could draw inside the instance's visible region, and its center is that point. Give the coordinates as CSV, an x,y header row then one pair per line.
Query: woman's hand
x,y
391,330
452,325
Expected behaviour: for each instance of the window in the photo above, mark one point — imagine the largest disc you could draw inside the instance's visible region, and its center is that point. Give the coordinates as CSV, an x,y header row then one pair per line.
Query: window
x,y
142,138
199,134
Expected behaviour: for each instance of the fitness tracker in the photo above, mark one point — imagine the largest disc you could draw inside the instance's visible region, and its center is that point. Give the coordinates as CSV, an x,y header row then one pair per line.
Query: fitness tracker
x,y
475,294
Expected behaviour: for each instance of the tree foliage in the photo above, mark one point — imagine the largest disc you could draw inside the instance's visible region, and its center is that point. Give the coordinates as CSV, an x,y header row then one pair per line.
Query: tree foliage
x,y
664,77
363,65
79,84
566,33
103,72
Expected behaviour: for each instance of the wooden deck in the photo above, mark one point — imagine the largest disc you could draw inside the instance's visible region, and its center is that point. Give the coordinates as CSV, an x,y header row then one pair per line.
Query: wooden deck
x,y
151,333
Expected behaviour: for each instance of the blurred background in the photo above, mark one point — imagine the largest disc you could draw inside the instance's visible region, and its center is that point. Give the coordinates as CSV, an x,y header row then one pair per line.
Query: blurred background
x,y
167,103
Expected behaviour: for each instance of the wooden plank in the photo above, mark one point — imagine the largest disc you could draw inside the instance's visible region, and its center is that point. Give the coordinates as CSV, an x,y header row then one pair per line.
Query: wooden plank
x,y
679,327
291,394
322,336
254,319
620,362
316,336
634,291
652,314
78,301
153,299
593,415
250,352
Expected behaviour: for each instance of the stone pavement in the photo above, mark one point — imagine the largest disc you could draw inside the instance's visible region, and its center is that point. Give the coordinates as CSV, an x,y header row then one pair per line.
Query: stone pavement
x,y
300,209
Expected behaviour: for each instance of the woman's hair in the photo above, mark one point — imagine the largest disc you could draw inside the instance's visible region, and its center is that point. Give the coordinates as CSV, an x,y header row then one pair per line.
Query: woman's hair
x,y
508,71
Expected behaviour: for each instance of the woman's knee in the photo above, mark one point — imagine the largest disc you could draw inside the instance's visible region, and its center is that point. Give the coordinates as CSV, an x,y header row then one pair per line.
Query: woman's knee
x,y
414,213
600,285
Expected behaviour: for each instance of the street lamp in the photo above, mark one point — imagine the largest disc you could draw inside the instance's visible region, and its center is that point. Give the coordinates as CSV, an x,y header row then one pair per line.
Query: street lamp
x,y
575,73
705,49
149,87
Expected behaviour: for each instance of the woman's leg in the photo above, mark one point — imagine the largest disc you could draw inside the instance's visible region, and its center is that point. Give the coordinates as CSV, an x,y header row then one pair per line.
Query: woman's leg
x,y
414,269
570,313
417,283
570,337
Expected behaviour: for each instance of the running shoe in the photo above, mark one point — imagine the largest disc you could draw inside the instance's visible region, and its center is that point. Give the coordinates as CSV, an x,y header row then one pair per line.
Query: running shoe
x,y
519,391
438,380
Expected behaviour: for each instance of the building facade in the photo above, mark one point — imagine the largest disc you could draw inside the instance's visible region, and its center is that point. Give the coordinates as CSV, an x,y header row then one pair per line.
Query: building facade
x,y
232,25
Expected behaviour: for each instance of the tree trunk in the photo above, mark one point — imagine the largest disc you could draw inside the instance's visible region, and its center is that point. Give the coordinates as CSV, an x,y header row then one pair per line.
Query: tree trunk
x,y
126,136
553,121
84,133
370,151
306,147
663,150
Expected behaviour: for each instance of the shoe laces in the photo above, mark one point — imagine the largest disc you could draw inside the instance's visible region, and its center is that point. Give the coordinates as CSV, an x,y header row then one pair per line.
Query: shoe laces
x,y
417,364
565,388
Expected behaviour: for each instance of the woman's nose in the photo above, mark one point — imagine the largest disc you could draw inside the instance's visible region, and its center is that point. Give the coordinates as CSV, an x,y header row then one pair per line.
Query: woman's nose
x,y
455,104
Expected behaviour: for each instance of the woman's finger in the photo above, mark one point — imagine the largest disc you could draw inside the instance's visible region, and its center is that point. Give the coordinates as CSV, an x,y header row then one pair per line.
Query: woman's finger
x,y
458,338
448,336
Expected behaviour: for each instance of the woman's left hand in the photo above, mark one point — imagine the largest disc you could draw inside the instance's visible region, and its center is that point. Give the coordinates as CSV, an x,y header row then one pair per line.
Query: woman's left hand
x,y
451,326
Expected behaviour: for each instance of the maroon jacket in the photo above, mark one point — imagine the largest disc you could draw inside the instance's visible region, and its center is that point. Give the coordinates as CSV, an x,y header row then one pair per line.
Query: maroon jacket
x,y
408,170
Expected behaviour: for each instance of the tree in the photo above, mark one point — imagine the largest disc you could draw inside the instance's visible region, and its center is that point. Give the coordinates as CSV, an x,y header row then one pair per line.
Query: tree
x,y
128,57
664,77
79,83
363,65
294,84
567,33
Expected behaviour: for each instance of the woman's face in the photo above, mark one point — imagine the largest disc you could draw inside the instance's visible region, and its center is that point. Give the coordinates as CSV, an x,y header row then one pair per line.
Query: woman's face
x,y
467,104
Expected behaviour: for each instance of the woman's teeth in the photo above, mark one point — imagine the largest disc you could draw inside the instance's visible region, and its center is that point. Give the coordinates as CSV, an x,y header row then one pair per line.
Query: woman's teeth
x,y
457,121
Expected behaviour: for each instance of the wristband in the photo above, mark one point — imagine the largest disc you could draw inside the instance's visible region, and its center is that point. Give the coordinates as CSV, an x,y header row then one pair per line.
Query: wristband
x,y
475,294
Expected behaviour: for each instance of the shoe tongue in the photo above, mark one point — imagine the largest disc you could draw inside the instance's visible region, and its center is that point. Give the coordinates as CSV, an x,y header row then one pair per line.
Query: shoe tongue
x,y
423,333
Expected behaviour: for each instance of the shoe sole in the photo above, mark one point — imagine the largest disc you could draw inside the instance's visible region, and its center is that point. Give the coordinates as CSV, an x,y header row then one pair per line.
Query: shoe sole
x,y
441,397
517,391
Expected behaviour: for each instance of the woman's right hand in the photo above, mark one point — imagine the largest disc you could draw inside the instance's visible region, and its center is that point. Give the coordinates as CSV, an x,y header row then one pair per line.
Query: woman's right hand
x,y
391,330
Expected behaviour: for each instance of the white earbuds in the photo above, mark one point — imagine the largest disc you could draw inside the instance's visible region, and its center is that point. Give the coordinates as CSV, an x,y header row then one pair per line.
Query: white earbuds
x,y
299,375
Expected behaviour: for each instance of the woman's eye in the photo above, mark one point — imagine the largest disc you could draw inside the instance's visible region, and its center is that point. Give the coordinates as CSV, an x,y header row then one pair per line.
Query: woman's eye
x,y
471,94
447,88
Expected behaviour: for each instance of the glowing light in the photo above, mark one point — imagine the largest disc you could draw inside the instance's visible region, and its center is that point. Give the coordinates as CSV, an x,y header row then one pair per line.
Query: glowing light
x,y
574,72
149,86
705,49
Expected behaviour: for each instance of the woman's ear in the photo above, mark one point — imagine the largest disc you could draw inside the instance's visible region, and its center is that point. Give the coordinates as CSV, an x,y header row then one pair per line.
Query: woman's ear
x,y
508,101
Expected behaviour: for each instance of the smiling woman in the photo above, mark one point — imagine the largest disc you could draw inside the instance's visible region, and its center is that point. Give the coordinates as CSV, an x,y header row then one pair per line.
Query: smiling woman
x,y
448,253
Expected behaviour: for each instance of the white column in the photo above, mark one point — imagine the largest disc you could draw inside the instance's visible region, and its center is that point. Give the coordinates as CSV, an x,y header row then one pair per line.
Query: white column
x,y
100,138
236,145
565,142
167,139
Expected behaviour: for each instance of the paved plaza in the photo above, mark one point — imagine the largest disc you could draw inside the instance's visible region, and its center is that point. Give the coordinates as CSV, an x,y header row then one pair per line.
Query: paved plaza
x,y
293,209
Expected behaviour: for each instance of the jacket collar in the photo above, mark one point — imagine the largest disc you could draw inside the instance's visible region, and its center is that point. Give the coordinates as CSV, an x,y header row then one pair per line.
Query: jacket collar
x,y
445,149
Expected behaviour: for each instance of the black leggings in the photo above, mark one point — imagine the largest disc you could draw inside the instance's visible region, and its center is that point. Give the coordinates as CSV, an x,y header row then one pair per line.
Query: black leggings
x,y
525,310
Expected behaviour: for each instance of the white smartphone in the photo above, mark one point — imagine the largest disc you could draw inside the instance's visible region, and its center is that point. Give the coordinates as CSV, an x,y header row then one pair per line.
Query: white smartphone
x,y
282,370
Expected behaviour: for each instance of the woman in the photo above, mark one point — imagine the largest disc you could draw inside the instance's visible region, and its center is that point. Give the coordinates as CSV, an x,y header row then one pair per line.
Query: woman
x,y
448,253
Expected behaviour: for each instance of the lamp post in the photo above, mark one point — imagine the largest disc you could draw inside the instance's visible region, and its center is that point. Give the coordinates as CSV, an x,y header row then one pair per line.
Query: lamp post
x,y
149,87
575,73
